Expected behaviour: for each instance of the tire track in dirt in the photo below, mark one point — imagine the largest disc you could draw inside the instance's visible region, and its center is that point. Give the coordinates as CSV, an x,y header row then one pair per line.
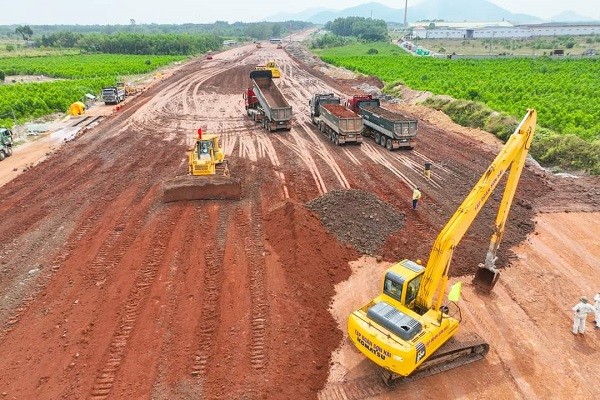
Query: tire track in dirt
x,y
356,389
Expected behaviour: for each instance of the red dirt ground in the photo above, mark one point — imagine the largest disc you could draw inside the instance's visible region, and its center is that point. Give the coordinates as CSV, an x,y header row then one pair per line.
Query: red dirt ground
x,y
106,292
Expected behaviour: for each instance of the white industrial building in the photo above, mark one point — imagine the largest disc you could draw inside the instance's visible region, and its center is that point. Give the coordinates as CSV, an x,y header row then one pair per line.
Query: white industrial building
x,y
482,30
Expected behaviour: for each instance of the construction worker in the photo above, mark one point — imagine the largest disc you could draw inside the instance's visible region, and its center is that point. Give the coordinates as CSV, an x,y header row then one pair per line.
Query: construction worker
x,y
580,312
597,306
415,198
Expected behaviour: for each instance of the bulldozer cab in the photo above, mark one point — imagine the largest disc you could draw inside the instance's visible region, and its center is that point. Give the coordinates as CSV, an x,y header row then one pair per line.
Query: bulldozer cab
x,y
205,155
205,149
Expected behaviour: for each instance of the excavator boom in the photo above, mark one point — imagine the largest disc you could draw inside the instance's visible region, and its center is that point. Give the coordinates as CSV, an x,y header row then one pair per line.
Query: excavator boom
x,y
406,330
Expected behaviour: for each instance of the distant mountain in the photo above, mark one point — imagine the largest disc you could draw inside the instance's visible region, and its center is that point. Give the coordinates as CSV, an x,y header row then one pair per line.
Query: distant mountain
x,y
570,16
466,10
456,10
369,10
301,16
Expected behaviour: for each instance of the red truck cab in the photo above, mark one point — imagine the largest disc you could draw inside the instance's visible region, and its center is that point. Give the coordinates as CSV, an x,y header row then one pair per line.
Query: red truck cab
x,y
355,100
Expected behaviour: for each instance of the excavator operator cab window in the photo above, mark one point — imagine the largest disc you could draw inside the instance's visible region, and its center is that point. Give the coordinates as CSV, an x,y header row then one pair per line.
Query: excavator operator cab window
x,y
393,288
412,289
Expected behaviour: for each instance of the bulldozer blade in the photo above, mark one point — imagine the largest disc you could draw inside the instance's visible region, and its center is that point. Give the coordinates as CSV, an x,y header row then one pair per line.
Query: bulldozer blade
x,y
213,187
485,279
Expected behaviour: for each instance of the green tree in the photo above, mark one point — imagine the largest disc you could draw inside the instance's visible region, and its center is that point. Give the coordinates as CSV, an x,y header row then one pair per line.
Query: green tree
x,y
2,76
25,31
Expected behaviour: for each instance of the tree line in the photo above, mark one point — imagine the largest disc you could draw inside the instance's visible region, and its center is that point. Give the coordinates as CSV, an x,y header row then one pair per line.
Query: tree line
x,y
363,28
183,39
134,43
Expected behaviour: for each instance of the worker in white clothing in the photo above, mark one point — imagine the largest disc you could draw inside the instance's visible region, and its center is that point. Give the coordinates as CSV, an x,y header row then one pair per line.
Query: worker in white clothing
x,y
580,312
597,305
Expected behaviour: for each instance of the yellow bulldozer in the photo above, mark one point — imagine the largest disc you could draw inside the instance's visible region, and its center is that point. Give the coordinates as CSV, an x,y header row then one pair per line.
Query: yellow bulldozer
x,y
208,175
271,66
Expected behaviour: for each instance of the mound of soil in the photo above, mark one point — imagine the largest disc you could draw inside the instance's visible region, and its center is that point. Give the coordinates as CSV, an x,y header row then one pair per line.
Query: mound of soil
x,y
358,218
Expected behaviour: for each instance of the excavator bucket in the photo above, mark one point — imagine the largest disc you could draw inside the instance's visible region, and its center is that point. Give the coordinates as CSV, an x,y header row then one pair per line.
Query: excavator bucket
x,y
485,279
214,187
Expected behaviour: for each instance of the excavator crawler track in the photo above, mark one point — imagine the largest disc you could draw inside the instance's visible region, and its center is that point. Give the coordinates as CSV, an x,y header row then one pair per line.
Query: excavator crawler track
x,y
458,351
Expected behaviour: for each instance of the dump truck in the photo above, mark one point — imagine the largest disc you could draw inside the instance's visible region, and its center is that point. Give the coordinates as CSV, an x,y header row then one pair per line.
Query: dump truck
x,y
6,143
340,124
209,176
113,94
265,103
388,128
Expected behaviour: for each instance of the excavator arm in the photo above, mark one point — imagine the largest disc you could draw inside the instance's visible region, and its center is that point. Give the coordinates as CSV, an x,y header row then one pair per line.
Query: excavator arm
x,y
512,159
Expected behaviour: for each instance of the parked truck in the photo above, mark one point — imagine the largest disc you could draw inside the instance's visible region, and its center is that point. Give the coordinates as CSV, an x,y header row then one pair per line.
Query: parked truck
x,y
390,129
265,102
6,143
113,94
339,123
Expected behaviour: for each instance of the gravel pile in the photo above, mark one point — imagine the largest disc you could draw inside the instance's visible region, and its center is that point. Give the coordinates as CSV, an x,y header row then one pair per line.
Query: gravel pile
x,y
358,218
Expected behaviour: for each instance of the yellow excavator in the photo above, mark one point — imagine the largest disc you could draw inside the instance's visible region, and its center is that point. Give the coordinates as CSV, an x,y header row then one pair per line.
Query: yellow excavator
x,y
406,330
208,176
271,66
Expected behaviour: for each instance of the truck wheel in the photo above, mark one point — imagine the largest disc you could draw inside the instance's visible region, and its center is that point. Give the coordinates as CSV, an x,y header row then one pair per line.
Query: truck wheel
x,y
382,142
388,144
9,151
336,139
2,155
377,137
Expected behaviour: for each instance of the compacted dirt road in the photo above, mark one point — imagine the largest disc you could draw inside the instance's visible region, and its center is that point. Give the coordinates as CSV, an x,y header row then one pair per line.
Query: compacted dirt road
x,y
106,292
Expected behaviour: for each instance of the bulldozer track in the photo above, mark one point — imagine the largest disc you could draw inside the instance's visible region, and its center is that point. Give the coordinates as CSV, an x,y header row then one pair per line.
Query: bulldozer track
x,y
149,266
258,293
213,274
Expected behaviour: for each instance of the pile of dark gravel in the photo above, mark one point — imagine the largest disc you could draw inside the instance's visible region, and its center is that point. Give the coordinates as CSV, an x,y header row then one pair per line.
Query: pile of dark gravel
x,y
358,218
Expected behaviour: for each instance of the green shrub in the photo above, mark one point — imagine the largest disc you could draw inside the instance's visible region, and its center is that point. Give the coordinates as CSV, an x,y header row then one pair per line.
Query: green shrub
x,y
569,152
2,76
372,51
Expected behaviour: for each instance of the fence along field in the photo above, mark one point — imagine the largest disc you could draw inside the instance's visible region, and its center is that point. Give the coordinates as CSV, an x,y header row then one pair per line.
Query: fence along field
x,y
79,74
564,91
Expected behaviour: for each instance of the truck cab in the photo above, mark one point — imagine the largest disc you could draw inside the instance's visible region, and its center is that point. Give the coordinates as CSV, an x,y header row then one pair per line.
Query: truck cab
x,y
6,143
113,94
317,99
355,102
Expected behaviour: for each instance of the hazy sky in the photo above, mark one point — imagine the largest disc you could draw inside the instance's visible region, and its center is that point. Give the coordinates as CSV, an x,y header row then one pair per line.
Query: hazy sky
x,y
85,12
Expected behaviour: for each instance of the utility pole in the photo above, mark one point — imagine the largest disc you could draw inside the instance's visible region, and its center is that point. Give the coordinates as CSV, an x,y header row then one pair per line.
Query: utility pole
x,y
405,12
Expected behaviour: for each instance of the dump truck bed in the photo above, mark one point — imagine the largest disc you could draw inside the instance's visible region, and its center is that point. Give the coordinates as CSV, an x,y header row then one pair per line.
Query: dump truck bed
x,y
271,99
341,119
392,123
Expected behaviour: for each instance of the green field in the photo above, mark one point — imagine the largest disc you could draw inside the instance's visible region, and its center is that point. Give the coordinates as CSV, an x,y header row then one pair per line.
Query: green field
x,y
80,74
564,91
